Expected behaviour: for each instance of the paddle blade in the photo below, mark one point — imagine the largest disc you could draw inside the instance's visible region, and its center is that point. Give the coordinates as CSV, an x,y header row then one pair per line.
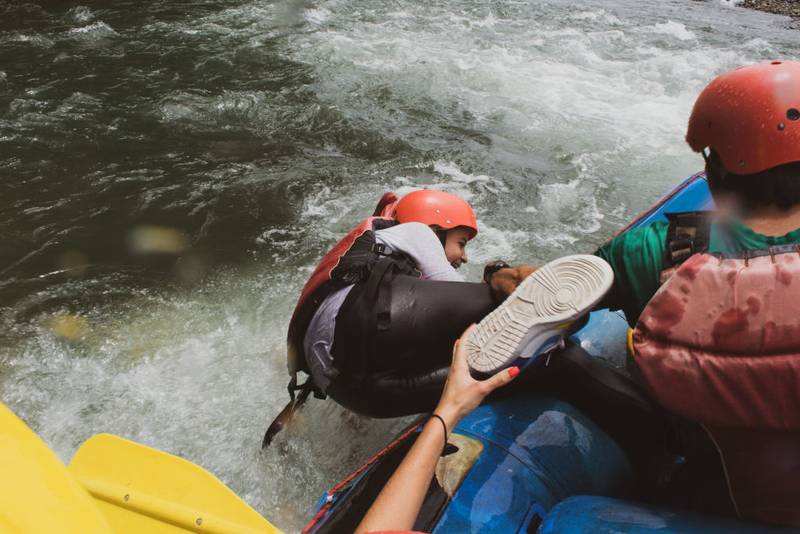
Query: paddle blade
x,y
37,493
139,489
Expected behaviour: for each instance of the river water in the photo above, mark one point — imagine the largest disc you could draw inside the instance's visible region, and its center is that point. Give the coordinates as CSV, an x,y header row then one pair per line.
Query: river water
x,y
171,172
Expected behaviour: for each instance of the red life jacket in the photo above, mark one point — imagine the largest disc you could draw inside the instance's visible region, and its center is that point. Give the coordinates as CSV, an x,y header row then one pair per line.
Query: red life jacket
x,y
719,344
340,267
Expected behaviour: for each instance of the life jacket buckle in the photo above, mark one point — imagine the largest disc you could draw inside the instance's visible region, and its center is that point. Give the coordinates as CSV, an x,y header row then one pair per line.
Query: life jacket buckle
x,y
379,248
681,248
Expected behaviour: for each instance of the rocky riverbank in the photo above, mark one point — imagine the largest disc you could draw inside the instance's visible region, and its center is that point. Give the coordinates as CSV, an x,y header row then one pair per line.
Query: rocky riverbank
x,y
780,7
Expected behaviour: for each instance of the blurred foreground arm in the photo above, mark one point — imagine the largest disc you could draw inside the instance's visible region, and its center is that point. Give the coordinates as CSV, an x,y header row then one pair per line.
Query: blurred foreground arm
x,y
398,504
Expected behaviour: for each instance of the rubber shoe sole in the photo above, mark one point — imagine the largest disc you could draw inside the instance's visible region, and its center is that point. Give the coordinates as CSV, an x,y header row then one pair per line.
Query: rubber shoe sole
x,y
535,318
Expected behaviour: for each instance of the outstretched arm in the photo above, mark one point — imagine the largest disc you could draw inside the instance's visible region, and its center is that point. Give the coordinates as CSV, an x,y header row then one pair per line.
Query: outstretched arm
x,y
398,504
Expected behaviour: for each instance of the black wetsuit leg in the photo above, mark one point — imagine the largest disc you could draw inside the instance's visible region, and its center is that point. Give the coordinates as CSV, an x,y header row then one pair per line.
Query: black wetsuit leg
x,y
427,316
405,364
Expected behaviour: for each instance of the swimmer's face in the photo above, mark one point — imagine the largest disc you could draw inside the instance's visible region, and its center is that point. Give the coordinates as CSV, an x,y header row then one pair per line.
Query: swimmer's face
x,y
455,247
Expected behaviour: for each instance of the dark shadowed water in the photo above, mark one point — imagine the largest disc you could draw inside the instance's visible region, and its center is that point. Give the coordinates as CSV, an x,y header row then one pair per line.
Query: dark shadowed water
x,y
170,173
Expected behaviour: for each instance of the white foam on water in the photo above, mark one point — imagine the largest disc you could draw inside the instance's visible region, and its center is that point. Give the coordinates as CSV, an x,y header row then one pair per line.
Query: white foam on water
x,y
453,172
676,30
81,14
326,206
548,85
37,39
318,15
98,30
620,86
186,375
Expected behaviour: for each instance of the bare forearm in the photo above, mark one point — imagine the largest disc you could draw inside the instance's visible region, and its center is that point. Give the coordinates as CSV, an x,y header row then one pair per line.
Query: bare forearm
x,y
398,504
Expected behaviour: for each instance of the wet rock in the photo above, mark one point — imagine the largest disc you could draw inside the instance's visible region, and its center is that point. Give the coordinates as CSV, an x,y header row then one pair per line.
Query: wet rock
x,y
780,7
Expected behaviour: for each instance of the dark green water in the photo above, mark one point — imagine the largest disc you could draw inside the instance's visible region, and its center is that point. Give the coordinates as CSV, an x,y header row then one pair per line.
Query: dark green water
x,y
170,172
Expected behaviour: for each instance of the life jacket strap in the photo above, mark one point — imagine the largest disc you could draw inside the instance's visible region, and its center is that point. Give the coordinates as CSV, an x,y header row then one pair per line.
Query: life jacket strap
x,y
307,386
292,387
346,263
369,306
688,234
285,416
366,243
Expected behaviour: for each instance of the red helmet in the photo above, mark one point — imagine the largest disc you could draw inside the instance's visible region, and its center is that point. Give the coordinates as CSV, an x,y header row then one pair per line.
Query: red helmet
x,y
436,207
750,116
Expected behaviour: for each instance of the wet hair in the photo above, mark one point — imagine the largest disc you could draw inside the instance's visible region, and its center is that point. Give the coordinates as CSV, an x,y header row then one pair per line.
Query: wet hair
x,y
778,186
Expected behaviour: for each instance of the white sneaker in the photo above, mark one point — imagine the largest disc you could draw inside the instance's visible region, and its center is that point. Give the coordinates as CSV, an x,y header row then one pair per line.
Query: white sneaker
x,y
535,318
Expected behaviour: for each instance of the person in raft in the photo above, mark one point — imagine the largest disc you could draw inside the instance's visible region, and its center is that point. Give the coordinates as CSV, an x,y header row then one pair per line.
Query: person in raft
x,y
712,298
376,321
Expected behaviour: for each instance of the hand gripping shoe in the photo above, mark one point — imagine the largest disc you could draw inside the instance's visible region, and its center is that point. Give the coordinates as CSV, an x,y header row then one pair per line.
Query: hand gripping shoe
x,y
535,318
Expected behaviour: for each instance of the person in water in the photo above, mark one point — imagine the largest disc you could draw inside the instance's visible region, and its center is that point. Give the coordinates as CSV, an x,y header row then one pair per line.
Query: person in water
x,y
712,298
376,321
359,328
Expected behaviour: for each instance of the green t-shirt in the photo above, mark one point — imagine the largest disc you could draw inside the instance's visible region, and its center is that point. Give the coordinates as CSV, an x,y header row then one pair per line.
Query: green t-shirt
x,y
636,257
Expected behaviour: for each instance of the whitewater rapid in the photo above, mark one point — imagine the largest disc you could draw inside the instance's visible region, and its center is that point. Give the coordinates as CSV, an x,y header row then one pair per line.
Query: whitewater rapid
x,y
171,176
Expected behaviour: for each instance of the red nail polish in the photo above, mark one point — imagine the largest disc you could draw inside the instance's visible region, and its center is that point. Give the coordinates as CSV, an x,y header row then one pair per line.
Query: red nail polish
x,y
513,371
